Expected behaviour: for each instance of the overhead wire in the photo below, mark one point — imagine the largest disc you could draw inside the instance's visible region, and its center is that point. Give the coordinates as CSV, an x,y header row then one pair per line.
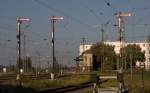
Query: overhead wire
x,y
62,13
113,8
89,27
4,45
6,28
95,15
110,5
140,37
90,10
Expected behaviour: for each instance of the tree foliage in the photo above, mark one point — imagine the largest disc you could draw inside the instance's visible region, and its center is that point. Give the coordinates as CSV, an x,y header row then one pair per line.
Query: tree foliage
x,y
25,63
105,56
28,63
133,53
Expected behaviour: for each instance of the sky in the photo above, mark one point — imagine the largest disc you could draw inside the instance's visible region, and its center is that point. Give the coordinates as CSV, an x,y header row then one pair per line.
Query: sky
x,y
82,18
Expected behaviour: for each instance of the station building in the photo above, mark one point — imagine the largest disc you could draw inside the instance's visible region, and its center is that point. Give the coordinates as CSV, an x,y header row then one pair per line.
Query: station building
x,y
87,62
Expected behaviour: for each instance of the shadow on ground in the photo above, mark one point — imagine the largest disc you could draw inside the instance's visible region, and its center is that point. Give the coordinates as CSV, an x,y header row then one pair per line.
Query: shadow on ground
x,y
15,89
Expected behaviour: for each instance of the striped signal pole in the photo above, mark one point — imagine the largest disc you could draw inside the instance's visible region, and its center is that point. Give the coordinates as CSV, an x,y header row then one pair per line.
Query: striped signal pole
x,y
53,20
19,20
121,30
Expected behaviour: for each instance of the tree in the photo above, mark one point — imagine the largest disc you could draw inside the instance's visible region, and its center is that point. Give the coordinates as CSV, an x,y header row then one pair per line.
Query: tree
x,y
133,53
12,68
27,61
105,56
19,65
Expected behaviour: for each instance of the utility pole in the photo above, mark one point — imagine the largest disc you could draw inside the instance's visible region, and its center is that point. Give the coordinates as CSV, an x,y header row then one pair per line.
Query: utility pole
x,y
39,60
102,41
102,30
121,30
19,22
53,21
131,66
148,49
142,66
48,63
120,25
24,52
83,42
104,26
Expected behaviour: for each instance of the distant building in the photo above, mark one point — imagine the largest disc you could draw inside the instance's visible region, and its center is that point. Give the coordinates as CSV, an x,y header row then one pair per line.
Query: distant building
x,y
83,48
86,62
145,47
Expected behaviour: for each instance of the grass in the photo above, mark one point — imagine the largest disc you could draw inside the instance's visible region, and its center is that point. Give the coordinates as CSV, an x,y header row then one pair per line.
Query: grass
x,y
32,85
110,83
135,83
74,80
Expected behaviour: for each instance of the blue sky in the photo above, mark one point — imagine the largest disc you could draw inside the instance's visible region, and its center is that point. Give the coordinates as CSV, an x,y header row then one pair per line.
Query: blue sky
x,y
82,18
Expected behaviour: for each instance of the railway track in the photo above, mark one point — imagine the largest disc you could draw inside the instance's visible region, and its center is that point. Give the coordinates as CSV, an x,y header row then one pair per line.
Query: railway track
x,y
66,89
49,90
8,77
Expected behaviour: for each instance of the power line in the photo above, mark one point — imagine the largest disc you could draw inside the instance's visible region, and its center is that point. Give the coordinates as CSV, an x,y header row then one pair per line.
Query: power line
x,y
4,45
6,28
139,24
62,13
37,34
11,29
110,5
140,36
90,10
141,9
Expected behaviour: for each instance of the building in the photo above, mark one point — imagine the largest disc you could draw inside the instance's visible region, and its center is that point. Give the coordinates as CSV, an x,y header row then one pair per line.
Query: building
x,y
87,63
86,58
145,47
84,47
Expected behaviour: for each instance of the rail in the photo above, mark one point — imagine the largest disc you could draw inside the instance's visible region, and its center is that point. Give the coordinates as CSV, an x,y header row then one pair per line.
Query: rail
x,y
66,89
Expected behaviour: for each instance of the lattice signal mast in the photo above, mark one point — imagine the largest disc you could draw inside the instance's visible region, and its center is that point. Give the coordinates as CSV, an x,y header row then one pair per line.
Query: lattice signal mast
x,y
53,20
121,30
120,23
19,20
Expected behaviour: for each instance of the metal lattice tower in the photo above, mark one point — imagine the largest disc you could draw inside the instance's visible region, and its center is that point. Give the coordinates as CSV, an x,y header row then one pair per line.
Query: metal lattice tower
x,y
121,31
53,21
19,20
